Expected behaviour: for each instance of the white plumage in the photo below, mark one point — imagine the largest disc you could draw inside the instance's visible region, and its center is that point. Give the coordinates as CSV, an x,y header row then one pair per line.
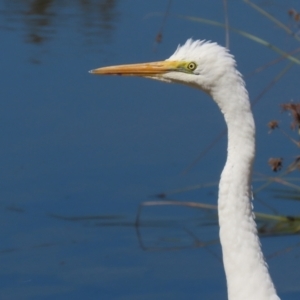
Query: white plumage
x,y
211,68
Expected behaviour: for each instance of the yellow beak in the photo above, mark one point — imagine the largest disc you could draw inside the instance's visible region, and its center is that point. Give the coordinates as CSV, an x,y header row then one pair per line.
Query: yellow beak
x,y
144,69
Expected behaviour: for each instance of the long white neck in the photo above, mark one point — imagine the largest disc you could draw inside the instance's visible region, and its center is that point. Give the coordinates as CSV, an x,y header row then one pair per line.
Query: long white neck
x,y
246,270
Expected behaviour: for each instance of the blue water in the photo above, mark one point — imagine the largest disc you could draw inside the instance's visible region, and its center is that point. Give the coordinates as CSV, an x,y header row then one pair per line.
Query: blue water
x,y
80,153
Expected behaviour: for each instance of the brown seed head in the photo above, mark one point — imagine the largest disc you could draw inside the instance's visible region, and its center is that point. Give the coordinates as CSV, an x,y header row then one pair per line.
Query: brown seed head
x,y
294,109
275,163
273,124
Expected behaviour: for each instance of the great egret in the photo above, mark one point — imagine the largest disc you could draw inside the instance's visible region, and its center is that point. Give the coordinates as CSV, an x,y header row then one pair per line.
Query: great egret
x,y
210,68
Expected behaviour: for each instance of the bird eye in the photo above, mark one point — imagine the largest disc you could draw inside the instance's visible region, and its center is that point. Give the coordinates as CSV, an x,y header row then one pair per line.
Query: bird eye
x,y
191,66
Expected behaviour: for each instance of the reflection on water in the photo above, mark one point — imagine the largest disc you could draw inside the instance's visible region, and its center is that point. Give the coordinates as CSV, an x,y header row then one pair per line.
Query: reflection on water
x,y
42,20
166,232
59,249
161,226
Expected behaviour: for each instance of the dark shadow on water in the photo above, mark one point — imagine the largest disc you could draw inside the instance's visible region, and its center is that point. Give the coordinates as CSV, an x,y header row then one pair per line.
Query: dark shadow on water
x,y
41,21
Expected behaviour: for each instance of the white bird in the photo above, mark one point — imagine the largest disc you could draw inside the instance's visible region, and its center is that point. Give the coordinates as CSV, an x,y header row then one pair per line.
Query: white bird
x,y
210,68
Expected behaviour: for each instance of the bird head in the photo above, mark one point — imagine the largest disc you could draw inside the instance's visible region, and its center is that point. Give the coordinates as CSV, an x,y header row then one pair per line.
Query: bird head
x,y
199,64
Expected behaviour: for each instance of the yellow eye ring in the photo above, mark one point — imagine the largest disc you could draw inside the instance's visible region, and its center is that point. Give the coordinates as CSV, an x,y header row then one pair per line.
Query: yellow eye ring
x,y
191,66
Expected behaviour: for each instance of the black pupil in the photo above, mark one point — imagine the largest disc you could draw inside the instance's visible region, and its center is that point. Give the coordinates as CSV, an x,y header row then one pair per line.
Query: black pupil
x,y
191,66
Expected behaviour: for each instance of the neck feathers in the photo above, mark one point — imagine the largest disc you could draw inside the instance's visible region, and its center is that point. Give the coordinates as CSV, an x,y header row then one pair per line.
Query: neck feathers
x,y
246,271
